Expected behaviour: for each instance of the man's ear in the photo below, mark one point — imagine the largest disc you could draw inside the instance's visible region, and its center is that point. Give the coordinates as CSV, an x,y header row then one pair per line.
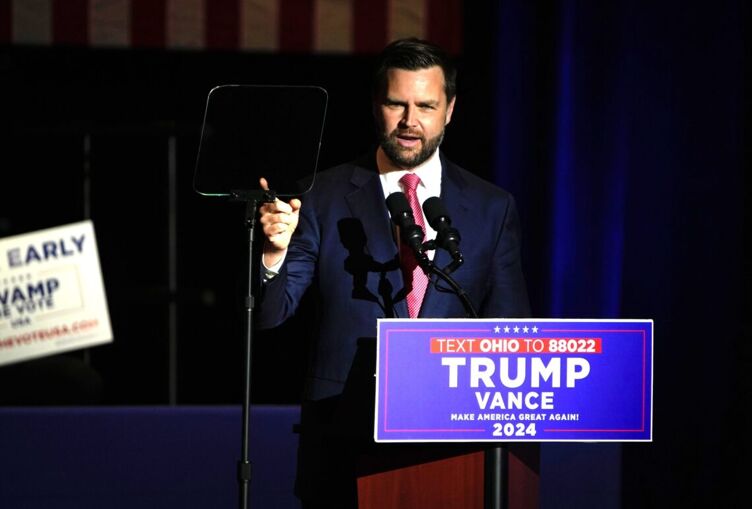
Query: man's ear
x,y
450,110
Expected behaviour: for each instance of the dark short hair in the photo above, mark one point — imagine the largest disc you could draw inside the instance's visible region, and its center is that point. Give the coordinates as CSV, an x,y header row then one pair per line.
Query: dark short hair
x,y
411,55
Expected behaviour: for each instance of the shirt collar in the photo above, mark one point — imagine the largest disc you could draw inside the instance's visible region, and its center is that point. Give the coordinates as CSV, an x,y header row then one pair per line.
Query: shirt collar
x,y
429,173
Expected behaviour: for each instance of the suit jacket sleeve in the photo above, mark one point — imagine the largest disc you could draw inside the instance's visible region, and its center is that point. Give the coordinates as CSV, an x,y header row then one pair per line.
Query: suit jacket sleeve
x,y
280,296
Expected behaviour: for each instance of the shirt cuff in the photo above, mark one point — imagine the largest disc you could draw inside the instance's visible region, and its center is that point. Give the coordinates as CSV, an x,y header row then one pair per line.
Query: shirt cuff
x,y
272,272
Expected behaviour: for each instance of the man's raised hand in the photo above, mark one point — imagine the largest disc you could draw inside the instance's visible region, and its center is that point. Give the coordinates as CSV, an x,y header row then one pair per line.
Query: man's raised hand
x,y
279,220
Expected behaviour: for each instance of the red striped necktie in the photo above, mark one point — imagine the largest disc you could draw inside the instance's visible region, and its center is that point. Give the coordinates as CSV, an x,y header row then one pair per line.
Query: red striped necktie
x,y
413,274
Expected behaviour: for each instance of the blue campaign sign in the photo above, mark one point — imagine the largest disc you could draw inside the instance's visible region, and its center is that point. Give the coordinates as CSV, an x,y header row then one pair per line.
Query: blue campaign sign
x,y
538,380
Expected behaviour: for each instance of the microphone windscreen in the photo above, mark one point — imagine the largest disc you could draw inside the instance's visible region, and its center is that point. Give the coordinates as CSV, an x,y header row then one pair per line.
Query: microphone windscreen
x,y
398,205
434,209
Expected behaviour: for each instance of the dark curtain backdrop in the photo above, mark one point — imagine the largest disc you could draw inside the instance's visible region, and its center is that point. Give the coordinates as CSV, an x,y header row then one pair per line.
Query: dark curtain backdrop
x,y
619,128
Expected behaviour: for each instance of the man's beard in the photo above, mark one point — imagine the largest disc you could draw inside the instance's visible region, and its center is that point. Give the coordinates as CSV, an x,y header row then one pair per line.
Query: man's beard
x,y
404,157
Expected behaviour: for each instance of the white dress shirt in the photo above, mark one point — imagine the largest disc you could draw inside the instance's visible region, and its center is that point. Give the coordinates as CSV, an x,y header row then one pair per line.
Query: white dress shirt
x,y
430,185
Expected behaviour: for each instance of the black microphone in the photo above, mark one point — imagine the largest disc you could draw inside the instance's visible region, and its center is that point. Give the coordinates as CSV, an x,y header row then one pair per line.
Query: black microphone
x,y
402,215
446,237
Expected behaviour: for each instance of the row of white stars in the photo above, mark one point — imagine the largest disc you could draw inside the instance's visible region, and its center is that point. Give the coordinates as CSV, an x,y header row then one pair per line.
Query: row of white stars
x,y
516,329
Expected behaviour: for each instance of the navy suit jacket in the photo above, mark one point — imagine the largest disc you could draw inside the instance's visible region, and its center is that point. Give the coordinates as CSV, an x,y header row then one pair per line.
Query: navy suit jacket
x,y
345,249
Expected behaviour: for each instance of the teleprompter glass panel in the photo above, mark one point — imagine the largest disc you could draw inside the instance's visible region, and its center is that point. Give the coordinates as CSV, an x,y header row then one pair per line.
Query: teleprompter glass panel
x,y
253,131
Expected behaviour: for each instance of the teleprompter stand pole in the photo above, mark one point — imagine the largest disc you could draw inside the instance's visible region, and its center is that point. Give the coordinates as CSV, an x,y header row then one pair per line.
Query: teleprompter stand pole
x,y
252,200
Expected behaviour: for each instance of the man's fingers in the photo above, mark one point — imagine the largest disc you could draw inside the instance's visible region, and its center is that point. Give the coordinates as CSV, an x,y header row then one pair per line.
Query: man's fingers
x,y
283,207
273,217
279,219
276,207
295,205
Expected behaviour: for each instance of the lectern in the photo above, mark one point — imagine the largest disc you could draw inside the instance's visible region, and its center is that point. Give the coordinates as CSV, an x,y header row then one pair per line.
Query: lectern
x,y
451,395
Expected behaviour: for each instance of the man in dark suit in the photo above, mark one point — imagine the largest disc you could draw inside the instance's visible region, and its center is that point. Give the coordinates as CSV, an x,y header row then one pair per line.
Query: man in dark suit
x,y
340,243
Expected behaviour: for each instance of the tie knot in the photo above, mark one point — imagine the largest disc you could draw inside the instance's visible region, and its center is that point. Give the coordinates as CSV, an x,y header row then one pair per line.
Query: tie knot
x,y
410,181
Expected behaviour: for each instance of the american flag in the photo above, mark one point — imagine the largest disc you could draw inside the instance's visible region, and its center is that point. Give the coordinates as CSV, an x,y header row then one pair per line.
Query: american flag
x,y
303,26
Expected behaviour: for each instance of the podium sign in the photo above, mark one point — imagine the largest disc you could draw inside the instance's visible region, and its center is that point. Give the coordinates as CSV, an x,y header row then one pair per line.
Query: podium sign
x,y
526,380
51,293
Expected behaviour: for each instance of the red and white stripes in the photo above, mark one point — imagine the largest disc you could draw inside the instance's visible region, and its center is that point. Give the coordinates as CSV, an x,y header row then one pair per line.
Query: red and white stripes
x,y
320,26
